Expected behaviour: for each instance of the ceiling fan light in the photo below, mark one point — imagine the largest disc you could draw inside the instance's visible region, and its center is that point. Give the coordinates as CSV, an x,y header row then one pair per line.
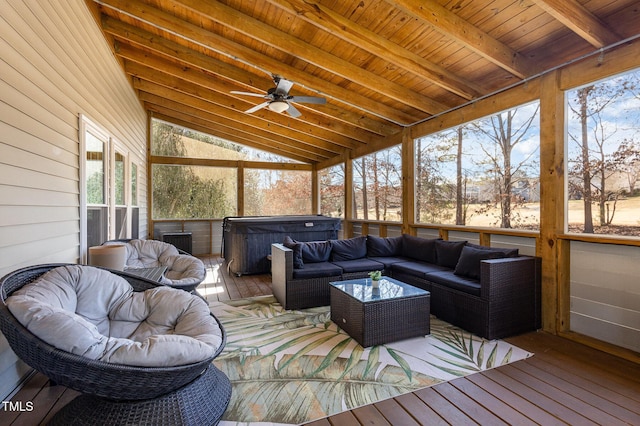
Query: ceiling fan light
x,y
278,106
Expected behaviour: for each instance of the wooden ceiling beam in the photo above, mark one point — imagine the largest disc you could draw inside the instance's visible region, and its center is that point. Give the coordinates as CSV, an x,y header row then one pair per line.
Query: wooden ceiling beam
x,y
250,140
451,25
248,81
169,23
257,138
293,137
280,40
582,22
327,20
198,84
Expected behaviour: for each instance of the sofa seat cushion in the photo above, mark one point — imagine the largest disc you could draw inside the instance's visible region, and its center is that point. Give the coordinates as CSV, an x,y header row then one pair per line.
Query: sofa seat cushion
x,y
456,282
349,249
317,270
418,269
359,265
93,313
387,261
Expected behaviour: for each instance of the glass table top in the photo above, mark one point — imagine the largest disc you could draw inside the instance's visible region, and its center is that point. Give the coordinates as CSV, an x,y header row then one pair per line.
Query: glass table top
x,y
362,290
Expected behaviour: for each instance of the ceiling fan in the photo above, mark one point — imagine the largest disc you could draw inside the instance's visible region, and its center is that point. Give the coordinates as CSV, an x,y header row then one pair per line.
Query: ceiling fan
x,y
279,99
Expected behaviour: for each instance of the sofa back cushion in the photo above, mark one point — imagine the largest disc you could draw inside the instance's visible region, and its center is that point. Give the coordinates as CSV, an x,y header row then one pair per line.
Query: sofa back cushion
x,y
469,263
448,252
296,247
315,251
508,252
419,248
384,247
349,249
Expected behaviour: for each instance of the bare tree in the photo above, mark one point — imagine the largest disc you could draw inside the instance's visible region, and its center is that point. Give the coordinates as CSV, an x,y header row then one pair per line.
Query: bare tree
x,y
433,198
503,133
594,165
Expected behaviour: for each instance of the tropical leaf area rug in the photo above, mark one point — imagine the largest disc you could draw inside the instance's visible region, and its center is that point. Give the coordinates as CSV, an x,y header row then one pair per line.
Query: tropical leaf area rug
x,y
291,367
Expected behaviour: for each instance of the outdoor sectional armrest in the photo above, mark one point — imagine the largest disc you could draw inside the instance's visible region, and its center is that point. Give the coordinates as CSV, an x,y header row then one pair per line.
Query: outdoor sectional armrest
x,y
512,289
281,271
508,277
282,261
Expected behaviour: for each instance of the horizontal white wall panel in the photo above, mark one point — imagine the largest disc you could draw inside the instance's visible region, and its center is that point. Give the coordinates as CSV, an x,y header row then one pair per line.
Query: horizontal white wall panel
x,y
605,293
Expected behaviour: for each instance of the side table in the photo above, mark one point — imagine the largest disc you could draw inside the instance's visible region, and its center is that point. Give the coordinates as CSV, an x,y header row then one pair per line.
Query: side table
x,y
395,311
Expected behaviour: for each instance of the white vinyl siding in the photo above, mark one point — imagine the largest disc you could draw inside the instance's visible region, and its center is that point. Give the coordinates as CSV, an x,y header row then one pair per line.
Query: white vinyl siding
x,y
605,298
55,66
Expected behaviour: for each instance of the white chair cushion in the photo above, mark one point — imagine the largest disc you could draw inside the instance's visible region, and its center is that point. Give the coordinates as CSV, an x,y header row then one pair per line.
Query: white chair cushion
x,y
182,269
149,254
186,270
94,313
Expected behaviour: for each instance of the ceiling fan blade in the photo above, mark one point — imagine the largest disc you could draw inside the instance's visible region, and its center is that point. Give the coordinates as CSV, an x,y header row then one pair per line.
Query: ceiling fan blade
x,y
257,95
293,111
257,107
307,99
283,86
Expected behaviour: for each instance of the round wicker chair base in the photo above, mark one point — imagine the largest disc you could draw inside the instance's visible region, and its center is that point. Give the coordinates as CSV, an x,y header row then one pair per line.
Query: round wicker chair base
x,y
201,402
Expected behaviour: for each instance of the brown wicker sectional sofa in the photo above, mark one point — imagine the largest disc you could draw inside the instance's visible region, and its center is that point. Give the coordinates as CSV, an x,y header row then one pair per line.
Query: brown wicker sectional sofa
x,y
491,292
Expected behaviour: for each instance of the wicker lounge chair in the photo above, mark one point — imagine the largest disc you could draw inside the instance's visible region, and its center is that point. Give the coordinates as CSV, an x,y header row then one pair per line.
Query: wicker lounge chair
x,y
184,271
195,393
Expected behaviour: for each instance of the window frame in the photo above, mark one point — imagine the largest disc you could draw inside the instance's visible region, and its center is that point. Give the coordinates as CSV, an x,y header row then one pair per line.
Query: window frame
x,y
111,146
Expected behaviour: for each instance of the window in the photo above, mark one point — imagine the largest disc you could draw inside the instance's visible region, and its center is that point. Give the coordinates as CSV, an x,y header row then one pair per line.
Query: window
x,y
483,173
193,192
603,156
332,191
96,155
110,187
277,192
377,185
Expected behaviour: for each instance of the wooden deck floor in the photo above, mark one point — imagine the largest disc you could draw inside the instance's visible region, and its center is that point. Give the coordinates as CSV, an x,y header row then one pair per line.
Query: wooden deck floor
x,y
563,383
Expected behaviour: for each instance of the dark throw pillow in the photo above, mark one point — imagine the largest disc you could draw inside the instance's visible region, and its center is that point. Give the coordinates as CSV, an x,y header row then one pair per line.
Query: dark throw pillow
x,y
349,249
384,247
469,262
506,251
448,252
419,248
316,251
292,244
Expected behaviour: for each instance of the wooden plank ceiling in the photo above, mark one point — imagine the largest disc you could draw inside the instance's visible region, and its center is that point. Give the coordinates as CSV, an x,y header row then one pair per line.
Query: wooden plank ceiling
x,y
381,65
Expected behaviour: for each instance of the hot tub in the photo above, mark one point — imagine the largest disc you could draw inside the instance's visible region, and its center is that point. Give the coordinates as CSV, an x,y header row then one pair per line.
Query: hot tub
x,y
247,240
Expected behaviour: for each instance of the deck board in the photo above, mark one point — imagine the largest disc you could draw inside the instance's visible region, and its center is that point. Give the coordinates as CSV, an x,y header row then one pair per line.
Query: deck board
x,y
563,383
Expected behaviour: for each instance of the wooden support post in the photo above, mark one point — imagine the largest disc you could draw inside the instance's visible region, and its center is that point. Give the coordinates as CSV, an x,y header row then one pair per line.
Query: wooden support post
x,y
408,182
552,205
349,202
315,192
240,184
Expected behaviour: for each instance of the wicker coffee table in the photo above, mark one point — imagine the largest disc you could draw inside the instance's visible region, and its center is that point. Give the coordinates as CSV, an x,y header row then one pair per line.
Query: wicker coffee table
x,y
395,311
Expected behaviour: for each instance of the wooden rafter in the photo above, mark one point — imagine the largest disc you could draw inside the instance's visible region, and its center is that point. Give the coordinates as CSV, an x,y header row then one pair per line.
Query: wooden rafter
x,y
242,78
273,37
576,17
217,43
470,36
385,67
338,25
